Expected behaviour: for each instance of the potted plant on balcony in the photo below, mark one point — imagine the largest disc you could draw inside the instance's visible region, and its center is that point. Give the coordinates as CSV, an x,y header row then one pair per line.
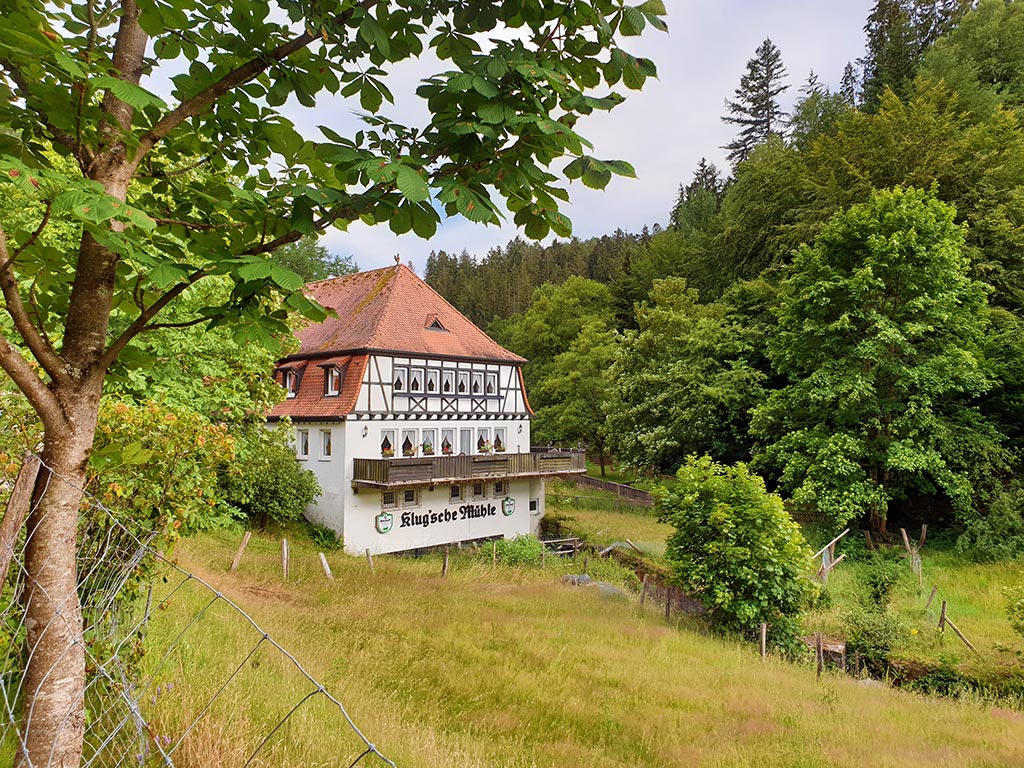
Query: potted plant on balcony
x,y
428,448
484,446
387,453
499,447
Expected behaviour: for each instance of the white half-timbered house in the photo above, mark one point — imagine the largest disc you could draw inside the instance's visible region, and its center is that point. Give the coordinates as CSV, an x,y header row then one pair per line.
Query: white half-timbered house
x,y
415,422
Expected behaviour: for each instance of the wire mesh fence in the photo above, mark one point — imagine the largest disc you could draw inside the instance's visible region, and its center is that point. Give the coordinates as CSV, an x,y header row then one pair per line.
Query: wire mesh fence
x,y
136,711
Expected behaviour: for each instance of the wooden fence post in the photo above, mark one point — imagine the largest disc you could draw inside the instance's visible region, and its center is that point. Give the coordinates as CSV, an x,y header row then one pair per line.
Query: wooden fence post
x,y
935,588
924,533
327,568
942,616
444,565
284,558
643,591
764,639
668,603
819,653
369,559
19,504
494,554
241,551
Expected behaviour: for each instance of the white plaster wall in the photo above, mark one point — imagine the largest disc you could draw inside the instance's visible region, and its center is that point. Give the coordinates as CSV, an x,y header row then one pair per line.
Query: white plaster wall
x,y
447,520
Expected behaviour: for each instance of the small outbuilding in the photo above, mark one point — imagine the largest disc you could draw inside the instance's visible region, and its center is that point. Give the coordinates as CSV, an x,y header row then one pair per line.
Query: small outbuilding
x,y
415,422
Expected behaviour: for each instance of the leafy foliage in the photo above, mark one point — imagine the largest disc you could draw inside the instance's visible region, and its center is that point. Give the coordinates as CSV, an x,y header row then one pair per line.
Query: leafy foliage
x,y
266,482
1015,608
519,551
878,324
736,549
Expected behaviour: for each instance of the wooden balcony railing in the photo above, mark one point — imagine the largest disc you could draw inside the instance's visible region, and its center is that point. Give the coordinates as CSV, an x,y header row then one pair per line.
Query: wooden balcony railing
x,y
438,470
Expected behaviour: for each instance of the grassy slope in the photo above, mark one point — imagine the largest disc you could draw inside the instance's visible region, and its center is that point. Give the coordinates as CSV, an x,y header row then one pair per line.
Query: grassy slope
x,y
510,668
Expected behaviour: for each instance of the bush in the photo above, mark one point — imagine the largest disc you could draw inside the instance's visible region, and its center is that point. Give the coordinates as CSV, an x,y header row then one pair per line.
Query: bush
x,y
999,534
736,549
324,538
883,572
265,482
872,635
522,550
1015,608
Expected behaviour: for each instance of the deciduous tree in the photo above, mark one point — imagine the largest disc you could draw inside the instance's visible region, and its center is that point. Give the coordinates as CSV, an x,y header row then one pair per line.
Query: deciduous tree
x,y
210,176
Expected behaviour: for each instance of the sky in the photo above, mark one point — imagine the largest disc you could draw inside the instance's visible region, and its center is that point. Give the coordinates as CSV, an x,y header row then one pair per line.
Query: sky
x,y
663,130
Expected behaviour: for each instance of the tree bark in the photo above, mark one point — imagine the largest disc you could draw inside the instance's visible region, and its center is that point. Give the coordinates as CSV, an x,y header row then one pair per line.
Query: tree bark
x,y
53,721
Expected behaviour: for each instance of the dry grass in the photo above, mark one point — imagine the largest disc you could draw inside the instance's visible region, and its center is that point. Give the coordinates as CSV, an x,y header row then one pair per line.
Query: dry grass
x,y
601,527
509,668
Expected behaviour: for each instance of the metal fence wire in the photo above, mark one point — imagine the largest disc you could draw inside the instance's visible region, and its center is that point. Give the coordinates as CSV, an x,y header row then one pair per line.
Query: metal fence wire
x,y
125,685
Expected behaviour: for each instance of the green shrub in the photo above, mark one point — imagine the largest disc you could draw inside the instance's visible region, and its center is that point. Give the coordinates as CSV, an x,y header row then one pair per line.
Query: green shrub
x,y
736,549
265,482
998,534
1015,608
883,572
522,550
324,538
872,635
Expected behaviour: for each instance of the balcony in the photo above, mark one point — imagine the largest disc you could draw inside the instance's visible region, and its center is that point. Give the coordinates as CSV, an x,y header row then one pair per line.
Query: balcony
x,y
442,470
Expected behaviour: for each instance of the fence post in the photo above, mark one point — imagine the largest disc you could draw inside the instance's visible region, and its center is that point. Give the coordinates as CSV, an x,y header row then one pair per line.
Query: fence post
x,y
764,639
241,551
819,653
284,558
369,559
327,568
494,554
444,565
668,603
18,506
935,588
643,591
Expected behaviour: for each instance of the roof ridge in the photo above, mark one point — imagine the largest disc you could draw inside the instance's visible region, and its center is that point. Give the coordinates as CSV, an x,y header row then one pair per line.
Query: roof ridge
x,y
389,292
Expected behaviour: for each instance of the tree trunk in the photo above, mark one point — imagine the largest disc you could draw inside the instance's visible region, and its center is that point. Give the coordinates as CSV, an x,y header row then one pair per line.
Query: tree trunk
x,y
600,458
53,718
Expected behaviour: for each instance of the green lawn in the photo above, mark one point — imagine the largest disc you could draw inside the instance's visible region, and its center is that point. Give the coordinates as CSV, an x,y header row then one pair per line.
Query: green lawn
x,y
502,668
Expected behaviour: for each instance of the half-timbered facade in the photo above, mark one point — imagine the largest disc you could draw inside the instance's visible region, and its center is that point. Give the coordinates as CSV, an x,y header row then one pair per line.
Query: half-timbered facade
x,y
415,422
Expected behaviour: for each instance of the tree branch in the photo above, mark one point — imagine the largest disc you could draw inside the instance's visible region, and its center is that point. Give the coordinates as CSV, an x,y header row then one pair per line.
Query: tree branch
x,y
194,225
295,235
42,351
35,235
61,136
43,401
184,324
141,322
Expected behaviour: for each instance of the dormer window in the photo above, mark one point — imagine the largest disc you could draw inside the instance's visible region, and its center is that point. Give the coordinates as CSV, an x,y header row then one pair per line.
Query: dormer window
x,y
434,324
291,383
332,385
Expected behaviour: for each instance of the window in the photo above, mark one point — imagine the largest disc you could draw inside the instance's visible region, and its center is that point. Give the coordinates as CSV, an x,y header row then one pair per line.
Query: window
x,y
325,443
499,439
483,441
416,377
447,442
388,500
499,488
435,325
400,379
302,443
447,382
291,383
410,497
387,443
478,383
466,441
533,505
463,386
433,377
407,497
332,383
491,384
478,490
455,493
428,446
410,443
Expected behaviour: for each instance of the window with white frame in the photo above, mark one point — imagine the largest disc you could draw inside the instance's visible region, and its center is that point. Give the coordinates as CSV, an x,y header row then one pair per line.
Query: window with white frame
x,y
387,443
478,383
401,379
291,383
447,382
389,499
466,441
325,443
433,381
302,443
428,442
462,388
447,442
491,384
416,380
410,442
499,440
483,440
410,497
332,381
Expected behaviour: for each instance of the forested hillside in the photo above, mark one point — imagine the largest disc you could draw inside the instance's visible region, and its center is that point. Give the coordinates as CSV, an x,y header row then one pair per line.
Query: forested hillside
x,y
843,308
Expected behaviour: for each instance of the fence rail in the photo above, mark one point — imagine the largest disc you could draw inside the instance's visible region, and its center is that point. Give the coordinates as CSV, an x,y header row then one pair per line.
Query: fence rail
x,y
428,470
624,493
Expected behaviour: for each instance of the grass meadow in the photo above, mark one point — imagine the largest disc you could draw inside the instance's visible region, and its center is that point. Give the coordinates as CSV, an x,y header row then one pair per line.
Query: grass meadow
x,y
506,668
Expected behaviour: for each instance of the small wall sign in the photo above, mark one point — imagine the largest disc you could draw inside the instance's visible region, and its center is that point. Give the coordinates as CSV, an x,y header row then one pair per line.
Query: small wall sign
x,y
508,506
384,521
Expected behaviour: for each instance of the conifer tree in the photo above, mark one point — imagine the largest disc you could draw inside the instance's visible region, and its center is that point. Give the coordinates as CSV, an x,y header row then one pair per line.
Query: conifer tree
x,y
756,107
848,85
704,191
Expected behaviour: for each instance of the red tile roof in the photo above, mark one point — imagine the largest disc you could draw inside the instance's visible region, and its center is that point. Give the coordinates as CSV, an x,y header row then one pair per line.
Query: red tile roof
x,y
391,310
311,402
